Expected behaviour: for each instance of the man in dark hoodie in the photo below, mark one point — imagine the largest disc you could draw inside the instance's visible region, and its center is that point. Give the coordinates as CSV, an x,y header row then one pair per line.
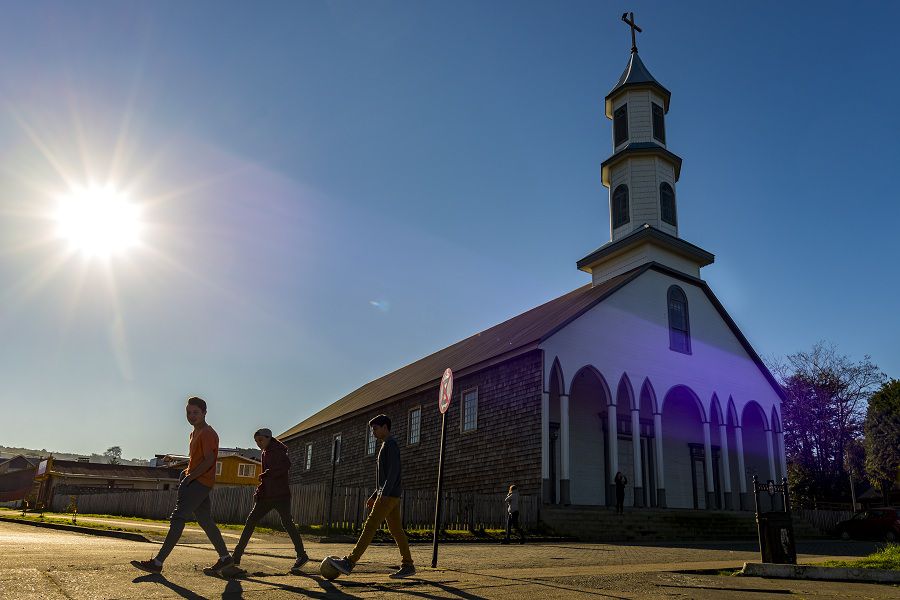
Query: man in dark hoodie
x,y
271,493
384,502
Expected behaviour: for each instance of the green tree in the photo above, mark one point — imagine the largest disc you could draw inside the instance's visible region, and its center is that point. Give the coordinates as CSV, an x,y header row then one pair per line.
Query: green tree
x,y
882,429
114,454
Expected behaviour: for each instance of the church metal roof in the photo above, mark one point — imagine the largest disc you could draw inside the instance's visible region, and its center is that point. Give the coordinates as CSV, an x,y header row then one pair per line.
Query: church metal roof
x,y
637,149
636,74
501,342
647,232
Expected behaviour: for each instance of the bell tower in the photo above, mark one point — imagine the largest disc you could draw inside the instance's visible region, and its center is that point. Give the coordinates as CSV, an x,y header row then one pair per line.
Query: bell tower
x,y
641,175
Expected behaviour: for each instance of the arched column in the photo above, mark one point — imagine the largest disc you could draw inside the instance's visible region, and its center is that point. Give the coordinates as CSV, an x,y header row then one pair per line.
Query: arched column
x,y
743,500
782,455
638,475
613,451
707,454
612,429
726,465
545,448
772,474
658,444
564,436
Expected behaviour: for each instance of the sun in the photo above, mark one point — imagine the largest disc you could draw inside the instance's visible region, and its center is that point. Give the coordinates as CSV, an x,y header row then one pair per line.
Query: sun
x,y
98,221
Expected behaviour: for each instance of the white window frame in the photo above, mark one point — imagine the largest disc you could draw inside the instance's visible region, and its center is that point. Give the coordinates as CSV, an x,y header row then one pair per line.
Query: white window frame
x,y
409,423
308,462
218,468
463,413
340,446
243,469
371,442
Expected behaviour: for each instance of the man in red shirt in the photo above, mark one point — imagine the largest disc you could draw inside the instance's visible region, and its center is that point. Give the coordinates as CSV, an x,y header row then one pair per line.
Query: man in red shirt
x,y
193,493
271,493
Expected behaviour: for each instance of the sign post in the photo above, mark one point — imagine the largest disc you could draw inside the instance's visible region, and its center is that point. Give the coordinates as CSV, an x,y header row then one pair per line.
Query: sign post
x,y
446,392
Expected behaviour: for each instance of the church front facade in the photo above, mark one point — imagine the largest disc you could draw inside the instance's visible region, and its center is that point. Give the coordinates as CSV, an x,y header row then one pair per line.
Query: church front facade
x,y
641,371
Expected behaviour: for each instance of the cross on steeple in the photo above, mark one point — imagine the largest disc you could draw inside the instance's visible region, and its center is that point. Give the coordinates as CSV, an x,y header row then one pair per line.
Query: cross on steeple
x,y
629,20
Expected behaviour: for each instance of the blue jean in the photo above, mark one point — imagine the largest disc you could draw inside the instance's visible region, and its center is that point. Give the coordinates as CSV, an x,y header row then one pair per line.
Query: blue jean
x,y
193,500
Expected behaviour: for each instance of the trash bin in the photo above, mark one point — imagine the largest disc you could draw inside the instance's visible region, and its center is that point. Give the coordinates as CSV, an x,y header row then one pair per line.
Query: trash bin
x,y
776,538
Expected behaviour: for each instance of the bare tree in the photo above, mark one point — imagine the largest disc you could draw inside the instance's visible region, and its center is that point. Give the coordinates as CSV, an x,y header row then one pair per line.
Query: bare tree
x,y
827,395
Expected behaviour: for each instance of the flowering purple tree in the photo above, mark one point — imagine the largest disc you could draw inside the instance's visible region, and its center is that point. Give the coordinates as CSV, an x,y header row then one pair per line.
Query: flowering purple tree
x,y
827,395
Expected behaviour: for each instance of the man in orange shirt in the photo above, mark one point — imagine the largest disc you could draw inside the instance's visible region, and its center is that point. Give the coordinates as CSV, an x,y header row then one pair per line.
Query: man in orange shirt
x,y
193,493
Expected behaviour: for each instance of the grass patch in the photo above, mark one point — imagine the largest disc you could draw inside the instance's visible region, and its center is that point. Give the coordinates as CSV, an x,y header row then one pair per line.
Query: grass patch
x,y
885,558
91,525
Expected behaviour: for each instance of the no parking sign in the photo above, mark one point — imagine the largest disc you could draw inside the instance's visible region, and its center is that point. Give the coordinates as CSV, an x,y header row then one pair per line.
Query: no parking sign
x,y
444,395
446,391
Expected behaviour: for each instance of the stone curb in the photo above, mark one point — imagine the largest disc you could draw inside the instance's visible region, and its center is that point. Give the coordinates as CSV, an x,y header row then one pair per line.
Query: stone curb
x,y
122,535
820,573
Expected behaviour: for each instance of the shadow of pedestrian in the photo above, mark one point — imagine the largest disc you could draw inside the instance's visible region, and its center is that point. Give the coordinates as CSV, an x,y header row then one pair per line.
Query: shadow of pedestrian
x,y
161,579
233,589
329,590
406,587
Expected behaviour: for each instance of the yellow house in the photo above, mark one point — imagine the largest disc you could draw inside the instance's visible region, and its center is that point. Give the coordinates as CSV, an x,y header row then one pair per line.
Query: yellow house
x,y
234,469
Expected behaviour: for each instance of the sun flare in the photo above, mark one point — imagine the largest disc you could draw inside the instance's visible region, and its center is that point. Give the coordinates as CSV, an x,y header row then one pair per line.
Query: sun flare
x,y
98,221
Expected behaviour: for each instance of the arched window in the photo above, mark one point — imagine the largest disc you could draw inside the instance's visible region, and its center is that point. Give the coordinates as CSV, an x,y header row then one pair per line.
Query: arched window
x,y
620,206
620,125
679,324
667,203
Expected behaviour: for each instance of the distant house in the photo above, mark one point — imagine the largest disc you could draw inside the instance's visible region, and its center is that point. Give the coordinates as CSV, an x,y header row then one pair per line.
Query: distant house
x,y
17,477
234,469
18,462
74,477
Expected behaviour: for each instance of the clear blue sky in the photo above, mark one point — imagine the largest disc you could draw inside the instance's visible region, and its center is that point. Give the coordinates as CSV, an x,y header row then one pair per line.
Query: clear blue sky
x,y
334,189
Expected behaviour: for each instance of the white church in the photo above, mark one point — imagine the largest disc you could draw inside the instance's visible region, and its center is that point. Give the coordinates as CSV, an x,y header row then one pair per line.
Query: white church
x,y
641,371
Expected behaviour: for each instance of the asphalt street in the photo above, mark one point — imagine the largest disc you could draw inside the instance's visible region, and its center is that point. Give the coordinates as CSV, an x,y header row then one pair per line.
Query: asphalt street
x,y
42,564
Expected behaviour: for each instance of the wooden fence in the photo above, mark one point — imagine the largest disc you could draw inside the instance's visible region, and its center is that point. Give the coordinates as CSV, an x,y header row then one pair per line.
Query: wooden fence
x,y
310,506
824,520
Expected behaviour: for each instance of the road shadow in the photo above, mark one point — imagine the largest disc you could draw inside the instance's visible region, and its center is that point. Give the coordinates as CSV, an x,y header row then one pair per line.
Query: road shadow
x,y
233,589
161,579
823,547
329,590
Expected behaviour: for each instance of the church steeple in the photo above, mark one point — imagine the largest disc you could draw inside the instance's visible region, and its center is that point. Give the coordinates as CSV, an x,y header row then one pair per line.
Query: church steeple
x,y
641,175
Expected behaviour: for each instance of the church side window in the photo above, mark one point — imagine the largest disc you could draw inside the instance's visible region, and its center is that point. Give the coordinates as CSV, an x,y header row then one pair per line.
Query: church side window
x,y
415,425
667,203
370,441
620,125
679,324
470,410
620,206
308,457
659,123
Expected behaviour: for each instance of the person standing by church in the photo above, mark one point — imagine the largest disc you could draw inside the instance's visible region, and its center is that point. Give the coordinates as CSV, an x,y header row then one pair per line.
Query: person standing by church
x,y
384,502
271,493
512,514
621,481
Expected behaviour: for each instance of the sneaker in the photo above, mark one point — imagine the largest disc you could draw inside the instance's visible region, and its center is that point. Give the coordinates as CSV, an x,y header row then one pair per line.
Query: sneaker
x,y
405,571
147,565
220,565
341,564
298,564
